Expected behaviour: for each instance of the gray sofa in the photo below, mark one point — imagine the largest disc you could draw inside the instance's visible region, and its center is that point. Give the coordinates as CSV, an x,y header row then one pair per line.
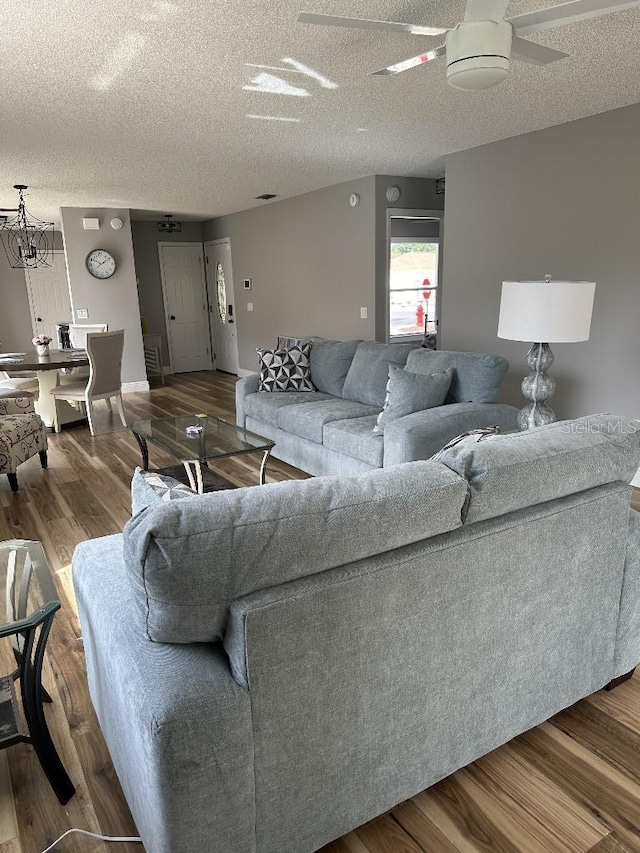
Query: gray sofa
x,y
331,431
273,666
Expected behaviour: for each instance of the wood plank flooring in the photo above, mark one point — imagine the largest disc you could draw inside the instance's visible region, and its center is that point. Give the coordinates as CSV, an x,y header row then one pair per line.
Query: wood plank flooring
x,y
572,785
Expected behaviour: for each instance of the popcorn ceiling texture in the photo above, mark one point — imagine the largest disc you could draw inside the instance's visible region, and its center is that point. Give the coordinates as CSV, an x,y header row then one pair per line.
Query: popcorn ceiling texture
x,y
142,105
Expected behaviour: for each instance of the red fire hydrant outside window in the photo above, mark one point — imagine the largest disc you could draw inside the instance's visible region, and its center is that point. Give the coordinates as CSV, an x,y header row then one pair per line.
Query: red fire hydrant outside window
x,y
420,315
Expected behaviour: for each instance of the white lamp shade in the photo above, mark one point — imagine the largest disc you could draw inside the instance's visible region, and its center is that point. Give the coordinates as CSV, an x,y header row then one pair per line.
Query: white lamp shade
x,y
546,312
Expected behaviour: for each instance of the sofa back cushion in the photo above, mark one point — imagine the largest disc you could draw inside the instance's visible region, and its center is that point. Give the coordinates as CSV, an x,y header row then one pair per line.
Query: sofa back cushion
x,y
477,376
330,363
509,472
367,378
189,560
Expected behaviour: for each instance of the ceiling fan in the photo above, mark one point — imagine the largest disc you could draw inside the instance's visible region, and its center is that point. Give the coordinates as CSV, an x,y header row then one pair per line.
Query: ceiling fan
x,y
479,49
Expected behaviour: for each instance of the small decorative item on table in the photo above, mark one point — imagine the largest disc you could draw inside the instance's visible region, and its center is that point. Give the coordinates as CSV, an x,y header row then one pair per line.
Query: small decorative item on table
x,y
41,343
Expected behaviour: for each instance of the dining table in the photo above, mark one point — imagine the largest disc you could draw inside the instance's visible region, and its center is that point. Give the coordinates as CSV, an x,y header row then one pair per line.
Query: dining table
x,y
47,369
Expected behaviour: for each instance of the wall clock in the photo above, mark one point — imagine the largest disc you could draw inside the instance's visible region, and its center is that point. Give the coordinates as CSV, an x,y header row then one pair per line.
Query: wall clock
x,y
100,263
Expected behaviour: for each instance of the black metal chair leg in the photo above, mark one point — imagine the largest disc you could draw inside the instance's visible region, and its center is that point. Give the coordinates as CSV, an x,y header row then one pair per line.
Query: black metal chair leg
x,y
13,481
43,458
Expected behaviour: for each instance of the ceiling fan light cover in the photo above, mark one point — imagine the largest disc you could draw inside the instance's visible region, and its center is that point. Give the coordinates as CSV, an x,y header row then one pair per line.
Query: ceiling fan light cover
x,y
481,72
478,54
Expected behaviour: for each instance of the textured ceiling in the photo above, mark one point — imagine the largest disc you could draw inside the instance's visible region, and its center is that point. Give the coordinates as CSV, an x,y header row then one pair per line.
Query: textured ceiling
x,y
143,105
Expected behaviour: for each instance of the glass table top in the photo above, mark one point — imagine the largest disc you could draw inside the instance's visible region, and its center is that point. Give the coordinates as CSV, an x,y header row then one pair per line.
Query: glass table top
x,y
213,439
26,577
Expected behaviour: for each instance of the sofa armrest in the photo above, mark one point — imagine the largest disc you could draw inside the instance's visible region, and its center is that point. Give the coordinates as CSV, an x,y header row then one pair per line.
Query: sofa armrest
x,y
178,727
16,402
246,385
421,434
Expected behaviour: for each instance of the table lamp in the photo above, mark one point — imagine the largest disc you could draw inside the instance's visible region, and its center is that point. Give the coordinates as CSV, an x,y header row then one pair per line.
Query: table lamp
x,y
543,312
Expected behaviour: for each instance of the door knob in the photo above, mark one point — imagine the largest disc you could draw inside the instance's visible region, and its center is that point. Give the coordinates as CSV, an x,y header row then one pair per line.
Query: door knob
x,y
172,317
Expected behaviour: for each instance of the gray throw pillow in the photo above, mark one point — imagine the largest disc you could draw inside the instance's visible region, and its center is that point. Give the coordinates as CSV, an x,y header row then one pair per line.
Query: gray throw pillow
x,y
285,369
412,392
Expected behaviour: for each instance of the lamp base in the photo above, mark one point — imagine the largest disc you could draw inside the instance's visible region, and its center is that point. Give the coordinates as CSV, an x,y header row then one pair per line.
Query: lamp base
x,y
537,387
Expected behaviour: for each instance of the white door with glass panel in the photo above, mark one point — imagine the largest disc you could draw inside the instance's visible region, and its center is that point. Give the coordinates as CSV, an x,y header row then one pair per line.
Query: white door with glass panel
x,y
222,311
185,303
49,299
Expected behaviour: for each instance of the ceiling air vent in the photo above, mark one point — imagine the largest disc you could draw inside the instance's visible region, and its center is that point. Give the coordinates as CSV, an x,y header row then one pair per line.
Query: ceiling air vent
x,y
266,196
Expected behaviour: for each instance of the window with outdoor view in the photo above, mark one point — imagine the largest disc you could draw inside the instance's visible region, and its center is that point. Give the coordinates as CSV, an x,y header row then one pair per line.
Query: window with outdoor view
x,y
413,288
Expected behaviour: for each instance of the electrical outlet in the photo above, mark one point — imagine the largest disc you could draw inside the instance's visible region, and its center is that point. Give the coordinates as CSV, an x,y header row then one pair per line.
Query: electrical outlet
x,y
82,314
363,313
249,306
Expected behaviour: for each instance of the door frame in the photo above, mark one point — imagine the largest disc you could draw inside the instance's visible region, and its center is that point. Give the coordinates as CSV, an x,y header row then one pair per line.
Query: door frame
x,y
213,303
32,311
161,245
412,213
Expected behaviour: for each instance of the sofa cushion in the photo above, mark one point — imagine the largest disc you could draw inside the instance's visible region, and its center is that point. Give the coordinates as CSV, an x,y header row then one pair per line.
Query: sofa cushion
x,y
330,363
355,437
509,472
150,487
188,560
477,378
412,392
266,407
367,378
285,369
308,420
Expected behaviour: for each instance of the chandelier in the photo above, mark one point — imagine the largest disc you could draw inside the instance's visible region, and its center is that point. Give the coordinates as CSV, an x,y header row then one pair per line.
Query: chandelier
x,y
27,241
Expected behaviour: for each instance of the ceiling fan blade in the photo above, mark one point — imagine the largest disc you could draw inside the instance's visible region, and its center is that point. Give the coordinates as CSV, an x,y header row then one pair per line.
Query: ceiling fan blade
x,y
534,53
406,64
486,10
366,24
567,13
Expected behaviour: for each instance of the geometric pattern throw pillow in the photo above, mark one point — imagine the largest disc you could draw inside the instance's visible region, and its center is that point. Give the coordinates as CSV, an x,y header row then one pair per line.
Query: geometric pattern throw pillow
x,y
285,369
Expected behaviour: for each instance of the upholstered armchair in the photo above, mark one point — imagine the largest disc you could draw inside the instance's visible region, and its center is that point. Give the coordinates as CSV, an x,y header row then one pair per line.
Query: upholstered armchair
x,y
22,434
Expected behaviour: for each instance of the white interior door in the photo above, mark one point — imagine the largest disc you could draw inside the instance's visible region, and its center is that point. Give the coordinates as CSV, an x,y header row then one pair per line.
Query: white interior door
x,y
185,302
222,305
49,299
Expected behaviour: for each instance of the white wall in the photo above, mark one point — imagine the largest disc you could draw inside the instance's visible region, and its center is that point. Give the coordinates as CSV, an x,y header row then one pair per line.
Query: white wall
x,y
114,300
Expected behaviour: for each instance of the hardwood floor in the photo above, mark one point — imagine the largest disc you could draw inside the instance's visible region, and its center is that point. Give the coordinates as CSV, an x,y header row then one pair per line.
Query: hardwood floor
x,y
572,785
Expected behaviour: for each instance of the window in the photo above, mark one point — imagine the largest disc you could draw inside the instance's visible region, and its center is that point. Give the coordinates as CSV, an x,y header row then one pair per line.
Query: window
x,y
413,287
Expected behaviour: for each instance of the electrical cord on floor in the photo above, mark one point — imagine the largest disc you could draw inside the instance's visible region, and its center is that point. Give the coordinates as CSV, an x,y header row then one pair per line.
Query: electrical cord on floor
x,y
93,835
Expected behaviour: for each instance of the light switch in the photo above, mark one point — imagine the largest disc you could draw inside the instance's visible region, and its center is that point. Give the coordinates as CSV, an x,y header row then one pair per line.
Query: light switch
x,y
249,306
363,313
82,314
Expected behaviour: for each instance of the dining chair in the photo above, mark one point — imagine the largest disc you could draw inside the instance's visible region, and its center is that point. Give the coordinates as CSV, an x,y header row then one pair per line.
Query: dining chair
x,y
78,333
26,382
104,351
78,340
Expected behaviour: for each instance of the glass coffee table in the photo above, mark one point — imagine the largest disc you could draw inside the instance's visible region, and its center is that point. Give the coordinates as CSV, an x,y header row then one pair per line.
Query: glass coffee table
x,y
30,604
196,439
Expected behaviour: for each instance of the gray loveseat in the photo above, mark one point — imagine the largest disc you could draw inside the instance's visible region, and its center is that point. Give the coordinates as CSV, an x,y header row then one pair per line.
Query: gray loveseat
x,y
331,431
273,666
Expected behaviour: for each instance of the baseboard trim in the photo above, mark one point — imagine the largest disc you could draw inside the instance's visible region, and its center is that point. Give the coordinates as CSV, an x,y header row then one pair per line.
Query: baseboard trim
x,y
242,372
135,387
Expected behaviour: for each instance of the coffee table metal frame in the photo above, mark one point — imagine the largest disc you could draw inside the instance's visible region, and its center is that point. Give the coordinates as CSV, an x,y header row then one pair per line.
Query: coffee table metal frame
x,y
29,634
181,447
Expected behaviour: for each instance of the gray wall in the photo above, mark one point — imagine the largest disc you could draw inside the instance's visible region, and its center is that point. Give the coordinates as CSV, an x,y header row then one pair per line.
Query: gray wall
x,y
417,193
115,300
315,261
145,248
16,329
311,259
563,201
